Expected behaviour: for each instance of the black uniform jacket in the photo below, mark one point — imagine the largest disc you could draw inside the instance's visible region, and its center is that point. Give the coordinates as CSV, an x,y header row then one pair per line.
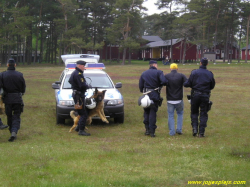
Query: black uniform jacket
x,y
78,81
151,79
13,85
201,80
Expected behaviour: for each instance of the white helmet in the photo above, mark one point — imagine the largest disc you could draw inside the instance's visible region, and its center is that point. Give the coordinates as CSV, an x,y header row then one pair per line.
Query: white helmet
x,y
144,101
90,103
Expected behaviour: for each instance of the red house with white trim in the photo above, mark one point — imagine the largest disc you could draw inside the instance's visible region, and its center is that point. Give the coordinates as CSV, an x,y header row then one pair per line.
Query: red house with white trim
x,y
160,49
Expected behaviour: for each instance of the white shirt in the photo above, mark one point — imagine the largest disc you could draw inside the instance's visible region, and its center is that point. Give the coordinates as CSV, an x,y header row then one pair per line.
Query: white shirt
x,y
174,102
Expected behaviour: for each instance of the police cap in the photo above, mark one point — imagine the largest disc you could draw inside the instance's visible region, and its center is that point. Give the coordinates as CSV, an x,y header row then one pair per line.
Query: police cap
x,y
204,61
152,62
81,62
11,61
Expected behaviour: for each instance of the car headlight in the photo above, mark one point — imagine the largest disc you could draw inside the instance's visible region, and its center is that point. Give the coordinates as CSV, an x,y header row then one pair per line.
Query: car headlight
x,y
66,102
115,102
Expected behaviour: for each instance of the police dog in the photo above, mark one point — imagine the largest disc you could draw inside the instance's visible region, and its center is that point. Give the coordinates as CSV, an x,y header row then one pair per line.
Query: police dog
x,y
97,111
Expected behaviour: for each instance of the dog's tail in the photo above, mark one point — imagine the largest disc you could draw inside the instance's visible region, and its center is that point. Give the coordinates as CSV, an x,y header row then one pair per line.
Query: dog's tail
x,y
73,114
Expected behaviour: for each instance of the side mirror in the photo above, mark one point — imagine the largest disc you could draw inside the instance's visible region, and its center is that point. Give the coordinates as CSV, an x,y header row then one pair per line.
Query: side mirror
x,y
56,85
118,85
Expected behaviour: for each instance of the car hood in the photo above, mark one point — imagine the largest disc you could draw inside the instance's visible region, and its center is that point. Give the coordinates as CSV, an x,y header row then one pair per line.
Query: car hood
x,y
66,94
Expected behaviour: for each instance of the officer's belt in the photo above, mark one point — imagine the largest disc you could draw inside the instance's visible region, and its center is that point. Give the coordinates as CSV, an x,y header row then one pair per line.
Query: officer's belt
x,y
13,93
201,93
148,89
77,92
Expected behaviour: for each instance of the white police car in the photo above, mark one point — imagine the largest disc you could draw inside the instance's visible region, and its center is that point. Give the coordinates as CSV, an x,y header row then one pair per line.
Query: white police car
x,y
97,78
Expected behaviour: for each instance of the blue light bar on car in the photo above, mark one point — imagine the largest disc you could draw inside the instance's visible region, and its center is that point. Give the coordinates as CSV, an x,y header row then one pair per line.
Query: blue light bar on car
x,y
87,66
94,66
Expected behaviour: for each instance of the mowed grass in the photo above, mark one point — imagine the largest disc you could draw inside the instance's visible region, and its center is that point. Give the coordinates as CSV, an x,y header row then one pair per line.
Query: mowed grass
x,y
46,154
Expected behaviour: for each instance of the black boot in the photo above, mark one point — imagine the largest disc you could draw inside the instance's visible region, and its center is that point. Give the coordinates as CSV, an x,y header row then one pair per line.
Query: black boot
x,y
195,131
201,135
147,132
152,133
77,128
201,132
2,126
83,133
13,137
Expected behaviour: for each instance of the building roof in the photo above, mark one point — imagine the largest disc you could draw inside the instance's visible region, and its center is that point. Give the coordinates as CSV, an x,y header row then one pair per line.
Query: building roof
x,y
152,38
163,43
244,48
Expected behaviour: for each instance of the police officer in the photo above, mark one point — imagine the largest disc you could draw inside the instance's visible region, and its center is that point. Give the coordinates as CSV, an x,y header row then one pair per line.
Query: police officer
x,y
14,87
149,81
79,87
202,82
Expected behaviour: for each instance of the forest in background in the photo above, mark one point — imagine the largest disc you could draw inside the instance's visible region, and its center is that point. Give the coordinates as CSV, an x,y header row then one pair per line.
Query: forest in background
x,y
50,28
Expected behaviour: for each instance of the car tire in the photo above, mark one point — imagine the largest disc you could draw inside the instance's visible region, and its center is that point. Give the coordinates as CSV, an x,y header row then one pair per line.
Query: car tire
x,y
59,120
119,119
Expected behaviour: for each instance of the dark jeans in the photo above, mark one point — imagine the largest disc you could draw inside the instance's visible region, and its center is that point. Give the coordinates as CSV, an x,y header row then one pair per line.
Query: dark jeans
x,y
150,117
199,104
13,112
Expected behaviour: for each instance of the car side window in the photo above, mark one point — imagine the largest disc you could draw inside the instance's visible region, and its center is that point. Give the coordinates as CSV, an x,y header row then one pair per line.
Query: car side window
x,y
66,84
61,77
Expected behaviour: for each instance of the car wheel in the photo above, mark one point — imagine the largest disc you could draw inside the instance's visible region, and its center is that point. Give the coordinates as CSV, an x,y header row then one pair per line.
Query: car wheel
x,y
119,119
59,120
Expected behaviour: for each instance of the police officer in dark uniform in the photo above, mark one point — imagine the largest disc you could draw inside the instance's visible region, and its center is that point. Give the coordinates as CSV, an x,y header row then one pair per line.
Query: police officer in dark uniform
x,y
202,82
14,87
79,87
149,81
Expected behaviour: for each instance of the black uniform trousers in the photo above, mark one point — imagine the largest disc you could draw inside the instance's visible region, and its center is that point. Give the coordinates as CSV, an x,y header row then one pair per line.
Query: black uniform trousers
x,y
13,112
150,117
199,106
82,112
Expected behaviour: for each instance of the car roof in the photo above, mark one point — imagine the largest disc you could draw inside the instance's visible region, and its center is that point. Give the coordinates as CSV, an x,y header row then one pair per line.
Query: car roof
x,y
73,58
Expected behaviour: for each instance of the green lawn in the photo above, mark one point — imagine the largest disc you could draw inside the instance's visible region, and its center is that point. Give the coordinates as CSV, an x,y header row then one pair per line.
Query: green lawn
x,y
120,155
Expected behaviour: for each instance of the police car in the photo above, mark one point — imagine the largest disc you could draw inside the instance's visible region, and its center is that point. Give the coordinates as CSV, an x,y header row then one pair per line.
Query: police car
x,y
97,78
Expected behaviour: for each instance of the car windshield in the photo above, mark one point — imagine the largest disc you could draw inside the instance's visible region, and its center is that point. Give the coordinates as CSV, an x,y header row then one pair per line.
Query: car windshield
x,y
95,80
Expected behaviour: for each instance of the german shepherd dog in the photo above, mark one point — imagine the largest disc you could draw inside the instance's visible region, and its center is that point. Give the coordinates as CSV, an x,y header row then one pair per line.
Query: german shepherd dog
x,y
97,111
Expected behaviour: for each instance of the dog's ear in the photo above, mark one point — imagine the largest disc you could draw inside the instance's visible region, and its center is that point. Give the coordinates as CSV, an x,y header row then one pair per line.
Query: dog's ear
x,y
103,92
96,90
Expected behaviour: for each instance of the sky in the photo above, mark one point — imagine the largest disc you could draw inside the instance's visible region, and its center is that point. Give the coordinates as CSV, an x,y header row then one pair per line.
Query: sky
x,y
152,8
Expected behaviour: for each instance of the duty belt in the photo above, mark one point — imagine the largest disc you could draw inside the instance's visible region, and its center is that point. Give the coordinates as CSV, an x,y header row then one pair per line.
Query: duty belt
x,y
76,92
14,94
201,93
148,89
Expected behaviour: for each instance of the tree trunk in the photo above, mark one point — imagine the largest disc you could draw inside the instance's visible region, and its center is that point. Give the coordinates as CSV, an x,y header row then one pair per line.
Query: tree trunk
x,y
110,53
246,58
184,52
124,56
129,56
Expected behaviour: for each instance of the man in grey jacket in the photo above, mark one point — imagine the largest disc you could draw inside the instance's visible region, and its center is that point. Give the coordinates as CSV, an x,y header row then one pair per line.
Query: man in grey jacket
x,y
174,93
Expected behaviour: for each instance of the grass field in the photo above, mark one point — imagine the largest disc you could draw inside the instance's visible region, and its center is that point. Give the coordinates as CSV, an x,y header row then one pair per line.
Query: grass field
x,y
120,155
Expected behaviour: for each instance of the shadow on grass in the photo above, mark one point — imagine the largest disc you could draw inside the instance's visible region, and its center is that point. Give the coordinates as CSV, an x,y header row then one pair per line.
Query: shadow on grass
x,y
239,152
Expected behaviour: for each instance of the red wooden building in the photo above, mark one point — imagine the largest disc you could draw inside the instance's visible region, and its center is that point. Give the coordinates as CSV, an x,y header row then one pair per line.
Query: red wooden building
x,y
243,53
160,49
156,48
